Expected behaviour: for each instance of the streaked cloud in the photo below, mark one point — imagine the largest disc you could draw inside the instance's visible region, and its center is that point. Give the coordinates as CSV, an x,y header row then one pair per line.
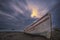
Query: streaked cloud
x,y
20,13
16,8
10,16
40,7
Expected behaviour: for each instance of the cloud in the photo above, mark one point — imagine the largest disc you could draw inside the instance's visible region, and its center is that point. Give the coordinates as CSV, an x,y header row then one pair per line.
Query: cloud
x,y
40,7
20,13
2,13
16,8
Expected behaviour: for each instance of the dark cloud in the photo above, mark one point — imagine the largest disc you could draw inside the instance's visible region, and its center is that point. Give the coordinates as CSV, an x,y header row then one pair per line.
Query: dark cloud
x,y
55,12
14,14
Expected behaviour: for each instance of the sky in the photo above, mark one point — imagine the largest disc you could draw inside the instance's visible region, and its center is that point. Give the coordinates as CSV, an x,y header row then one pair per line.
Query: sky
x,y
17,14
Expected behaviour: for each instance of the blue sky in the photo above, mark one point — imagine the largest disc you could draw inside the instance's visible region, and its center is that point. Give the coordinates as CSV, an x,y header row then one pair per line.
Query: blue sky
x,y
17,14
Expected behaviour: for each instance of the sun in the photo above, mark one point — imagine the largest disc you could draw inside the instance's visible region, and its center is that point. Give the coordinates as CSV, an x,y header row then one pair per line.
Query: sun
x,y
34,12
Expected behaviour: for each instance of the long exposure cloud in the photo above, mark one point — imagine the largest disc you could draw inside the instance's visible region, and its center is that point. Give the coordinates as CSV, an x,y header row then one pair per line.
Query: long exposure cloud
x,y
16,14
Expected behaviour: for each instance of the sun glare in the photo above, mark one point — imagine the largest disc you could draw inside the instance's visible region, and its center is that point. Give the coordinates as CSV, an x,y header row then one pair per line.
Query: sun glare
x,y
34,12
